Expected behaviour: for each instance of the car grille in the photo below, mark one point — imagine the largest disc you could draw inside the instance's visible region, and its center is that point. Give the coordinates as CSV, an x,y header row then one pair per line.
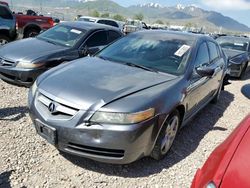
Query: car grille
x,y
6,63
58,111
81,149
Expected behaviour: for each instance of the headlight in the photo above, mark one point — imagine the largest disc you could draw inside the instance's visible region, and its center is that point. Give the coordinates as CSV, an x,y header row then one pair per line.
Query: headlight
x,y
28,65
122,118
34,88
211,185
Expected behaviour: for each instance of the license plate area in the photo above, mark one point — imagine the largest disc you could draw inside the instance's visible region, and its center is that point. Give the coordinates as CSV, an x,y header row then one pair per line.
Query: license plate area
x,y
47,132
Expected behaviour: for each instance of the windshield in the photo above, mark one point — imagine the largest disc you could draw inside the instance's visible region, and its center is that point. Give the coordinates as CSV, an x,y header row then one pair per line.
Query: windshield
x,y
162,53
62,35
233,43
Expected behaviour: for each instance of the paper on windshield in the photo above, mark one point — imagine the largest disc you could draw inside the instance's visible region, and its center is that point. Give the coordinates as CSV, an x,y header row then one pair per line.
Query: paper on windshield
x,y
182,50
238,44
75,31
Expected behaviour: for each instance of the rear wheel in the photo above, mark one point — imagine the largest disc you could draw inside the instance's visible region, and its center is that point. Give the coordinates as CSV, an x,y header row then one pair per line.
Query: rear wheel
x,y
166,136
4,40
31,33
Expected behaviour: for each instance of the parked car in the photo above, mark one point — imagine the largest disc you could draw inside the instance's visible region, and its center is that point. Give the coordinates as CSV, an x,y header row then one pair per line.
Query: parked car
x,y
7,25
229,164
22,61
130,99
133,26
238,51
31,24
105,21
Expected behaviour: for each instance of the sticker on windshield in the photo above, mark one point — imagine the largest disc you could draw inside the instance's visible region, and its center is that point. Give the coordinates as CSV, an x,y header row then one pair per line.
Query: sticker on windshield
x,y
238,44
75,31
182,50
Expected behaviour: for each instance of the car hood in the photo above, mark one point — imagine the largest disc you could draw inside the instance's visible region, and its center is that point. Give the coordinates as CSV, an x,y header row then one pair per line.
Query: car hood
x,y
28,50
89,82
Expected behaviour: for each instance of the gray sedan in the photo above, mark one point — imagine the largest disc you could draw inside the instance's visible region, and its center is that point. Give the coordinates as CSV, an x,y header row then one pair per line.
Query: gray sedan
x,y
130,100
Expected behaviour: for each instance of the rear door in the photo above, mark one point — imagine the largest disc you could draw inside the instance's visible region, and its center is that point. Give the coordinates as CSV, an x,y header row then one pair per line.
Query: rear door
x,y
217,63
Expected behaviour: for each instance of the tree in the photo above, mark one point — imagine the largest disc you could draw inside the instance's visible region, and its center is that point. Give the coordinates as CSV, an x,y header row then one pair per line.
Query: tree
x,y
105,15
139,16
95,13
119,17
159,22
189,25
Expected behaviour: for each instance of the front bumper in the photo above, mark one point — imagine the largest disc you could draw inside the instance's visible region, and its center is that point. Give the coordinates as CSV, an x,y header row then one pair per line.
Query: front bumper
x,y
117,144
19,76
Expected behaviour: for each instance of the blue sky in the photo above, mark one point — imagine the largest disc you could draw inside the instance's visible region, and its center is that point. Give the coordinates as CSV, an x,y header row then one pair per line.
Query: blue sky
x,y
236,9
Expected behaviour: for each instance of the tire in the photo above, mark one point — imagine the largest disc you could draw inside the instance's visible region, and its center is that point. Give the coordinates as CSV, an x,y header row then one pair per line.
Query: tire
x,y
31,33
217,96
166,136
4,40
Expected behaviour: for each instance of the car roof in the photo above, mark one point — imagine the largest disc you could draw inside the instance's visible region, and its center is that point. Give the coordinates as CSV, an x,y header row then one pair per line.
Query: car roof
x,y
89,25
174,34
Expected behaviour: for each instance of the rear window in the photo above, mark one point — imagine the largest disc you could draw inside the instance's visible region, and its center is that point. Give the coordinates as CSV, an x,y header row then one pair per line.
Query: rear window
x,y
5,13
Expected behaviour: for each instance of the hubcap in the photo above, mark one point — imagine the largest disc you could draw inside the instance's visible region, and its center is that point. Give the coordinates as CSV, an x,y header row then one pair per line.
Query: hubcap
x,y
3,42
170,134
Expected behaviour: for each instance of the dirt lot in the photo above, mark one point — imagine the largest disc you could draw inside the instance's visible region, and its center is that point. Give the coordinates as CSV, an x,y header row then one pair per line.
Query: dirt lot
x,y
26,160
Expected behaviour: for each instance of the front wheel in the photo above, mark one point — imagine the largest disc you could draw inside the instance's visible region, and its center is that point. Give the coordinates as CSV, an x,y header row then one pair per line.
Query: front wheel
x,y
166,136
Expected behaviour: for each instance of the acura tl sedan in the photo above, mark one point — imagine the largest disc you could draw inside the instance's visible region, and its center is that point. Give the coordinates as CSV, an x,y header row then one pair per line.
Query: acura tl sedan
x,y
130,99
22,61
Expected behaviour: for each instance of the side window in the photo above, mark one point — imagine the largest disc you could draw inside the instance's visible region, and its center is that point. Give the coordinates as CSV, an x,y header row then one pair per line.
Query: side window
x,y
112,23
113,36
202,56
213,51
5,13
97,39
102,22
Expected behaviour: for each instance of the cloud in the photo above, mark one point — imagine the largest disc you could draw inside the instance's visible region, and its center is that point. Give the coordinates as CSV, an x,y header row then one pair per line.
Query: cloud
x,y
228,4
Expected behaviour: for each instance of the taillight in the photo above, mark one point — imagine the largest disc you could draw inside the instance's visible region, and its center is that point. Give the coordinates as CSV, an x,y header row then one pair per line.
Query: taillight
x,y
16,25
51,22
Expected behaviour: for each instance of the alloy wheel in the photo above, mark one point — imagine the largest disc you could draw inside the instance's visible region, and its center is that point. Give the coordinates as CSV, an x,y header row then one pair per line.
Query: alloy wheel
x,y
170,133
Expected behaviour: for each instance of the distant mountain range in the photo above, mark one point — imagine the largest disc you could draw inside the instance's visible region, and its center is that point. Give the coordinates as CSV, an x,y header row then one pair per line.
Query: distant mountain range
x,y
179,14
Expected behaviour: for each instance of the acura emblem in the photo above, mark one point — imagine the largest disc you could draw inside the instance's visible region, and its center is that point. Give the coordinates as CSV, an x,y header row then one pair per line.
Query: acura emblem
x,y
52,107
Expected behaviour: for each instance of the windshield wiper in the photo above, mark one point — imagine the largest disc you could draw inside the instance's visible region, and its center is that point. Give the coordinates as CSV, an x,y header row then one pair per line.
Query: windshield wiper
x,y
140,66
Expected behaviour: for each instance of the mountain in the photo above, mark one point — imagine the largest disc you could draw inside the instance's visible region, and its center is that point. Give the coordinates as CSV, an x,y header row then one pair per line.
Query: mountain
x,y
189,14
176,15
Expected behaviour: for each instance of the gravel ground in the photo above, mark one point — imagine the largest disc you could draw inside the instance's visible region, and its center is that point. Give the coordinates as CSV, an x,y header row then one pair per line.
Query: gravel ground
x,y
26,160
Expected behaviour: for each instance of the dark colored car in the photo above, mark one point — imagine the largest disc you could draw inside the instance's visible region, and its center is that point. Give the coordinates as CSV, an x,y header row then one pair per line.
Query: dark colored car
x,y
229,164
7,25
238,51
22,61
129,100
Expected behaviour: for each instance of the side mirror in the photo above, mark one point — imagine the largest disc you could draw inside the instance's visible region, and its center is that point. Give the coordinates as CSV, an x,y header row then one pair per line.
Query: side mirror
x,y
245,90
205,71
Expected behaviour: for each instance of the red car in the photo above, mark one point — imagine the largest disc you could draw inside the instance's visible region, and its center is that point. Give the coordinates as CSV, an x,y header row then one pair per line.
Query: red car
x,y
229,164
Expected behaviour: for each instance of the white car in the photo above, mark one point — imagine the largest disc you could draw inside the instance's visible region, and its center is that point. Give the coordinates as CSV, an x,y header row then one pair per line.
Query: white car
x,y
105,21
